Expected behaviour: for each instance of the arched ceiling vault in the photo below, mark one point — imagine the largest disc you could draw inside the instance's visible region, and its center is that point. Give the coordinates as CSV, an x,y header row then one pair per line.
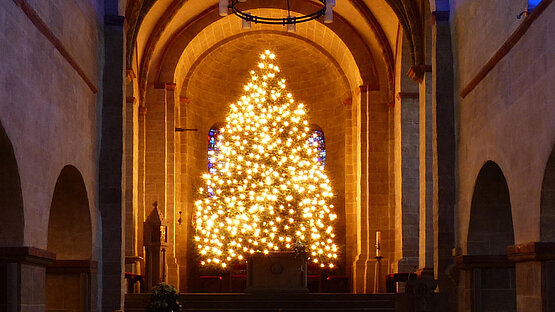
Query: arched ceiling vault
x,y
183,51
153,24
300,42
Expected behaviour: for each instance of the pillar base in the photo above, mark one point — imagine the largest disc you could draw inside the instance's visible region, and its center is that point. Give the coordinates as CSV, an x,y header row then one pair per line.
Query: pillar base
x,y
23,269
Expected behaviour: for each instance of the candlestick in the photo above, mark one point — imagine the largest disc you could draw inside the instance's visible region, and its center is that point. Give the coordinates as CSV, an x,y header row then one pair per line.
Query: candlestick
x,y
378,243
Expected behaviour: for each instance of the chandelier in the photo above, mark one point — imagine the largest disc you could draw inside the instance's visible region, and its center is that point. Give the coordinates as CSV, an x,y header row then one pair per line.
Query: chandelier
x,y
290,20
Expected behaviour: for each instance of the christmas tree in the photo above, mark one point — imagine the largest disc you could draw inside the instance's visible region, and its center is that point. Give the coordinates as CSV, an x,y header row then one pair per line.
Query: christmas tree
x,y
268,190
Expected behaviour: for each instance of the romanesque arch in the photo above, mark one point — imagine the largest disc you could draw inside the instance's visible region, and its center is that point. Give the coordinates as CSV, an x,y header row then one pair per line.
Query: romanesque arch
x,y
490,232
68,279
11,200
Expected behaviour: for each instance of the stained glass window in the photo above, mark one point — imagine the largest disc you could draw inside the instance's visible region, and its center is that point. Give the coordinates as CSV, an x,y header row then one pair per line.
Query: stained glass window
x,y
317,140
532,4
213,148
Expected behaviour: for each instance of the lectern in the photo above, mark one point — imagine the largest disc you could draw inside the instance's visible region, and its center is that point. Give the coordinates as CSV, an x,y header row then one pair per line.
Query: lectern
x,y
155,237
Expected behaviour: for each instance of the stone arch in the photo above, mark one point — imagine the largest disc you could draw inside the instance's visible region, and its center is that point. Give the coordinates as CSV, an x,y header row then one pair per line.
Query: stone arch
x,y
12,223
491,223
490,232
353,58
351,51
547,203
69,226
68,280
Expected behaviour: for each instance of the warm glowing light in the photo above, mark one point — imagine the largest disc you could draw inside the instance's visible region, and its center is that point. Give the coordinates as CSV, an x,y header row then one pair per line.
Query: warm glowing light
x,y
268,190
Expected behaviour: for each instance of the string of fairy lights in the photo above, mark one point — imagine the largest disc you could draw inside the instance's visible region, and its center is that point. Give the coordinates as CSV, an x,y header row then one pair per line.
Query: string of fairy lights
x,y
268,191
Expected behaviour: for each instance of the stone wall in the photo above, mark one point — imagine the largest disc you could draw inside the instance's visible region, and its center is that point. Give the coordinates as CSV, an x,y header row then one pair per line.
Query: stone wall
x,y
503,93
51,66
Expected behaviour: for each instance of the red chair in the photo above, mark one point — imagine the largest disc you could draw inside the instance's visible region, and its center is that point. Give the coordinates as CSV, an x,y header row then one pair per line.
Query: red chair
x,y
314,278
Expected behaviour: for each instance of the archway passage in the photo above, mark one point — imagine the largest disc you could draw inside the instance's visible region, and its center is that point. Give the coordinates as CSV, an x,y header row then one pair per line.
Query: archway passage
x,y
490,232
11,216
314,79
547,230
11,199
68,280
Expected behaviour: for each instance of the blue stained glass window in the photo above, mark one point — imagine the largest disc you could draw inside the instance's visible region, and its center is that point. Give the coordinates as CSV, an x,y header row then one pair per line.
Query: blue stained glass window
x,y
532,4
317,139
213,149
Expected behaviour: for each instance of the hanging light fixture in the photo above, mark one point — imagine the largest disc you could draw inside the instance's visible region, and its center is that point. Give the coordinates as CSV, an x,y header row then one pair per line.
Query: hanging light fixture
x,y
290,21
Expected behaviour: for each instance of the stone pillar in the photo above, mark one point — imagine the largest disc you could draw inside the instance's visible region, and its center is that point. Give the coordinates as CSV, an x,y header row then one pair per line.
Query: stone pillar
x,y
22,278
406,166
535,275
426,228
380,213
130,179
142,206
444,149
110,165
181,197
170,113
362,282
155,149
351,186
407,214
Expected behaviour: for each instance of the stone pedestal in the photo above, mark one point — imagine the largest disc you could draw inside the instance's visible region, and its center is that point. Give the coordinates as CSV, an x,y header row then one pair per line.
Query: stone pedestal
x,y
155,239
276,272
22,278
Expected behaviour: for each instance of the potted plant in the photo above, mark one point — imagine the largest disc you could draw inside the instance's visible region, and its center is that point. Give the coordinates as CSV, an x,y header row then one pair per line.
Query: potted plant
x,y
164,298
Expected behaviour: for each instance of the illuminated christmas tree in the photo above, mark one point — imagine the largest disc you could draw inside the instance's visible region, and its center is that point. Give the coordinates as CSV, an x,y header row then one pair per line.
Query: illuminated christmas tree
x,y
268,190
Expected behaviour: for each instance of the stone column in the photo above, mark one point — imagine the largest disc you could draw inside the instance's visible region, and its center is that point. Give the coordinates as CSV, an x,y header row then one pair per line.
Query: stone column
x,y
110,165
407,214
362,284
170,108
129,181
142,206
22,278
444,149
155,150
535,275
426,227
351,185
182,192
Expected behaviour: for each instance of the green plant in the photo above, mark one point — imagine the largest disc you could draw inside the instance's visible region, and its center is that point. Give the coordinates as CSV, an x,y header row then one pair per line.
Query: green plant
x,y
164,298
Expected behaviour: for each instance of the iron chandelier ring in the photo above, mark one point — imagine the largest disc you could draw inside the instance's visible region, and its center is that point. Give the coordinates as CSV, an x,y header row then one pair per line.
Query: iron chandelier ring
x,y
276,20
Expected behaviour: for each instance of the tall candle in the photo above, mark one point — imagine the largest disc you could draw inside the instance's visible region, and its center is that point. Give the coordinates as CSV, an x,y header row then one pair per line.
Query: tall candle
x,y
378,243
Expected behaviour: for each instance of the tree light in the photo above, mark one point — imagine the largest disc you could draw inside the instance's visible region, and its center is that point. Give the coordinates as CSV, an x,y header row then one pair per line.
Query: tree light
x,y
268,191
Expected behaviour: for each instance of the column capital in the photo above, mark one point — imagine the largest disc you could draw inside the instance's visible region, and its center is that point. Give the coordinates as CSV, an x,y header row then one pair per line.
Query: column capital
x,y
416,72
169,86
362,88
130,74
